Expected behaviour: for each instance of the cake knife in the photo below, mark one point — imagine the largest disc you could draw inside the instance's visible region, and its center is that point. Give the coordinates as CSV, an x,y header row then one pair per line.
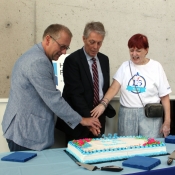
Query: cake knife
x,y
170,158
104,168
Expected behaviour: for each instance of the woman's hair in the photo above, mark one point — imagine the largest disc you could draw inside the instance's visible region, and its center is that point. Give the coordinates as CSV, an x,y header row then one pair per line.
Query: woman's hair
x,y
94,26
139,41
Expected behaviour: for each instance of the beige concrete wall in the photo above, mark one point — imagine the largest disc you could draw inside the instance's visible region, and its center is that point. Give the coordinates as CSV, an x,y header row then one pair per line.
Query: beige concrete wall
x,y
23,21
17,34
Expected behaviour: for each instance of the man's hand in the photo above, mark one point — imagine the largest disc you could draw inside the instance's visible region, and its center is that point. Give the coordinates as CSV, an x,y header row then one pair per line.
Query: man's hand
x,y
95,132
93,122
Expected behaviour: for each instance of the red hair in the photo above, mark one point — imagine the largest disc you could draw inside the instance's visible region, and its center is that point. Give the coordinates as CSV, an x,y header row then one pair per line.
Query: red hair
x,y
139,41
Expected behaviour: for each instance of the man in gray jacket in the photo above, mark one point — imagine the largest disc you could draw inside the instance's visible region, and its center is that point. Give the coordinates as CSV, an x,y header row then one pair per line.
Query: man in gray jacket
x,y
28,121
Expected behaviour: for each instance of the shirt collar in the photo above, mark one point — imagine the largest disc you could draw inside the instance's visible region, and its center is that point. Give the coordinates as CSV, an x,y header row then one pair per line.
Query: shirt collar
x,y
89,57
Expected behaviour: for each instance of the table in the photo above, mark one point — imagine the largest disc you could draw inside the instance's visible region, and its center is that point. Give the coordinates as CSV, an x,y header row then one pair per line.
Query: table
x,y
57,162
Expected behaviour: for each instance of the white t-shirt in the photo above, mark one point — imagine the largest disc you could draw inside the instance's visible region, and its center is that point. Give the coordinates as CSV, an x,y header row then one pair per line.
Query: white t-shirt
x,y
149,79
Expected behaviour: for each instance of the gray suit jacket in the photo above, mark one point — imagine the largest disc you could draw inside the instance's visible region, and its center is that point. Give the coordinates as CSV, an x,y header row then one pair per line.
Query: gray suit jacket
x,y
33,100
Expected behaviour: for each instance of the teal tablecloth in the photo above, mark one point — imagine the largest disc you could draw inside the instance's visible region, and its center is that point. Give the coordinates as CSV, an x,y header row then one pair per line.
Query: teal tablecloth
x,y
57,162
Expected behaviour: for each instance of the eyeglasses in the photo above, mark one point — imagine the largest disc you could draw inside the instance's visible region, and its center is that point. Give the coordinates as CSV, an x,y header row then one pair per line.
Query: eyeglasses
x,y
62,47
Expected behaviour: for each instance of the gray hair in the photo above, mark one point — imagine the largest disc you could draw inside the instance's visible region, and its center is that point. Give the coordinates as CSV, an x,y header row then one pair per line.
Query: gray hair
x,y
94,27
55,29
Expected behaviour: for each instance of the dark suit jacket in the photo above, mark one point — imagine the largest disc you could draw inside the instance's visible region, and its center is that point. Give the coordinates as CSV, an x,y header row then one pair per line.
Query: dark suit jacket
x,y
78,90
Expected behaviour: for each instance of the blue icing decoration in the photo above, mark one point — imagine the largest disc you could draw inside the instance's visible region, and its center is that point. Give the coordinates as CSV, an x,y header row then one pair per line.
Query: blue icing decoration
x,y
103,136
110,135
115,135
86,145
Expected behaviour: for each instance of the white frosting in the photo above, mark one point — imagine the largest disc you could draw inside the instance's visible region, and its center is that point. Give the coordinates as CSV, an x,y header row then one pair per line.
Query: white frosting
x,y
102,150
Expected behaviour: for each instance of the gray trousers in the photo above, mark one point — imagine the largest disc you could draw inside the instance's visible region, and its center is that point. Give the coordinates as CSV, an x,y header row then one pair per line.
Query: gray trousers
x,y
133,122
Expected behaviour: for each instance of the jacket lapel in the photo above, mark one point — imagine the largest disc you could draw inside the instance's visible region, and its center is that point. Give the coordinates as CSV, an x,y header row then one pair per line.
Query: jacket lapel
x,y
103,68
86,66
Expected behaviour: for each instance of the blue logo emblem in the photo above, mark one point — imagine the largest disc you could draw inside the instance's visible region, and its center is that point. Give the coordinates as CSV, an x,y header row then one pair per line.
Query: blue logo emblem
x,y
136,84
56,73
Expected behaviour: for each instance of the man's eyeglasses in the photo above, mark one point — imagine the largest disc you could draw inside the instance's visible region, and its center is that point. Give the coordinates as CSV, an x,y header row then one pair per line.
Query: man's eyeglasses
x,y
62,47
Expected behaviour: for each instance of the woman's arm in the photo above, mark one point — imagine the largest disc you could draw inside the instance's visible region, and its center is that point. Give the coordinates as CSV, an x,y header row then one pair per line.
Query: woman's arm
x,y
112,91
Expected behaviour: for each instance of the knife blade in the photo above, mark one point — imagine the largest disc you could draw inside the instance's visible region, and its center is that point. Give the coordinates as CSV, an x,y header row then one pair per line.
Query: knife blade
x,y
104,168
87,166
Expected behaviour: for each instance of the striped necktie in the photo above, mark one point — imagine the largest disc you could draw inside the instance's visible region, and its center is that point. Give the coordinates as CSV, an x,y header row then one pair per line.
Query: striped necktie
x,y
95,82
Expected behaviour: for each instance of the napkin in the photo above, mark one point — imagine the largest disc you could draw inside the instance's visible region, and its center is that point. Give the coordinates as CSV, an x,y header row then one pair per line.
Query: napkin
x,y
170,139
141,162
19,157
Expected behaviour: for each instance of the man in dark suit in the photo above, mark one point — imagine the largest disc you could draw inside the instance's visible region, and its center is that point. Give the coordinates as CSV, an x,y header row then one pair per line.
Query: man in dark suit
x,y
78,78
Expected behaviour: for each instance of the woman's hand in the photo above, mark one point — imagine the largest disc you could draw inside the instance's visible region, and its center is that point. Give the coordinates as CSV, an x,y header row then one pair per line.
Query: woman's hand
x,y
165,129
112,91
97,111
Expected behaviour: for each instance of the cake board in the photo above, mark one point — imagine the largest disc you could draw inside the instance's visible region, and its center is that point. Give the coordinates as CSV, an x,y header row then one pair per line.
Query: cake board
x,y
75,160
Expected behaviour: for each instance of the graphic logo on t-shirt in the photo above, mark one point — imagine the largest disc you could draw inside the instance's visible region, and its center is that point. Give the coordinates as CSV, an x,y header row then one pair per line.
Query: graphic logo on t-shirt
x,y
136,84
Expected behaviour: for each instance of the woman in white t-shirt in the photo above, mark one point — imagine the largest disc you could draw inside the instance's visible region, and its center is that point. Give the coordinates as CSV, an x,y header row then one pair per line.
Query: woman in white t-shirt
x,y
148,78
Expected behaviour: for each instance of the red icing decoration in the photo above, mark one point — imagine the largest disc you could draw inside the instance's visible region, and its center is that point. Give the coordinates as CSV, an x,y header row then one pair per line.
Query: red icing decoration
x,y
151,141
81,142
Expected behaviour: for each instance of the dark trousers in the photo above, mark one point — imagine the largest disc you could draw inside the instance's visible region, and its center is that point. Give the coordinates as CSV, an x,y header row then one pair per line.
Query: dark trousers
x,y
15,147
